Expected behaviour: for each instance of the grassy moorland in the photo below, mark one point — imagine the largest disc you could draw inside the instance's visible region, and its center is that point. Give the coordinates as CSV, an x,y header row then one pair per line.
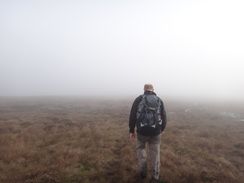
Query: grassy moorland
x,y
75,140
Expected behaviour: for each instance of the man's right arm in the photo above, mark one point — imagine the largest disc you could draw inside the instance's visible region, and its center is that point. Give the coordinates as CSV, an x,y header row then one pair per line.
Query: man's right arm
x,y
164,117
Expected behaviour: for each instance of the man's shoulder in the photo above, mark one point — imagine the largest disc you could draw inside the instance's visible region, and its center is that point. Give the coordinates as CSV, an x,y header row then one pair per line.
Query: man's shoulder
x,y
139,98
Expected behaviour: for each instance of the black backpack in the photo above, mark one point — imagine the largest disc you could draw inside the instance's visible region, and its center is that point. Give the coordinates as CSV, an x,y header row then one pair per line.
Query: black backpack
x,y
148,112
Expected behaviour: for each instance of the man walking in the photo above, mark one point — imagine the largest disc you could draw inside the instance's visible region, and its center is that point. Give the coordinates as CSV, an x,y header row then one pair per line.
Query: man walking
x,y
149,116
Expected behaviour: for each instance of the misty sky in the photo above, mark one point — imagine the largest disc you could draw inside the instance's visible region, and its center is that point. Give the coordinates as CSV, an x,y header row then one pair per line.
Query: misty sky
x,y
113,47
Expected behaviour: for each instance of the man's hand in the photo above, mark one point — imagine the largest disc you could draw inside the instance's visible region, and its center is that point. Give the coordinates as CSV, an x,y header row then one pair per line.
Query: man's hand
x,y
132,136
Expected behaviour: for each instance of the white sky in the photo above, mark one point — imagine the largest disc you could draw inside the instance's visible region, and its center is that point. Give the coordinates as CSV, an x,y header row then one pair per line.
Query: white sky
x,y
94,47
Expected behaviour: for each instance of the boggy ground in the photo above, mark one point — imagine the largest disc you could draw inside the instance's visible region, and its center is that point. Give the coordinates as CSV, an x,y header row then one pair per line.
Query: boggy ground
x,y
77,140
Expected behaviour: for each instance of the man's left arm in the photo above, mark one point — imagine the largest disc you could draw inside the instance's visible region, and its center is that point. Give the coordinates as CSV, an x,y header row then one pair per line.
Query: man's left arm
x,y
132,118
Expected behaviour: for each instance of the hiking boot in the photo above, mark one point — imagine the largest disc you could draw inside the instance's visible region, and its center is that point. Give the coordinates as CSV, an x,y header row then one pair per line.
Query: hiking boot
x,y
143,175
153,180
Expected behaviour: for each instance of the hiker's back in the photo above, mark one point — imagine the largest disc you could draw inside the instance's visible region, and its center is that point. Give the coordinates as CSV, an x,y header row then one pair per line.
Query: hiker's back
x,y
149,115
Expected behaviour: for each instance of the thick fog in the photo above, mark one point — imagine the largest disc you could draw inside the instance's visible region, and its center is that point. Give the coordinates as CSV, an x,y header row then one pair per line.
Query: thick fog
x,y
184,48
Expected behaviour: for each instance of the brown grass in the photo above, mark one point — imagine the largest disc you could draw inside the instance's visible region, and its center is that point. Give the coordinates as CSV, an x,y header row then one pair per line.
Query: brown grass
x,y
75,140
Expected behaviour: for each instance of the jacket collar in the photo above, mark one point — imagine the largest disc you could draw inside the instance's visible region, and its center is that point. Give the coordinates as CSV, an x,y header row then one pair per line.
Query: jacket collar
x,y
149,93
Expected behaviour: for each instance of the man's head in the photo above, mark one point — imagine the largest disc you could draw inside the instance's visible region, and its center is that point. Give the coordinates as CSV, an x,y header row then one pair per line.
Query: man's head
x,y
148,87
